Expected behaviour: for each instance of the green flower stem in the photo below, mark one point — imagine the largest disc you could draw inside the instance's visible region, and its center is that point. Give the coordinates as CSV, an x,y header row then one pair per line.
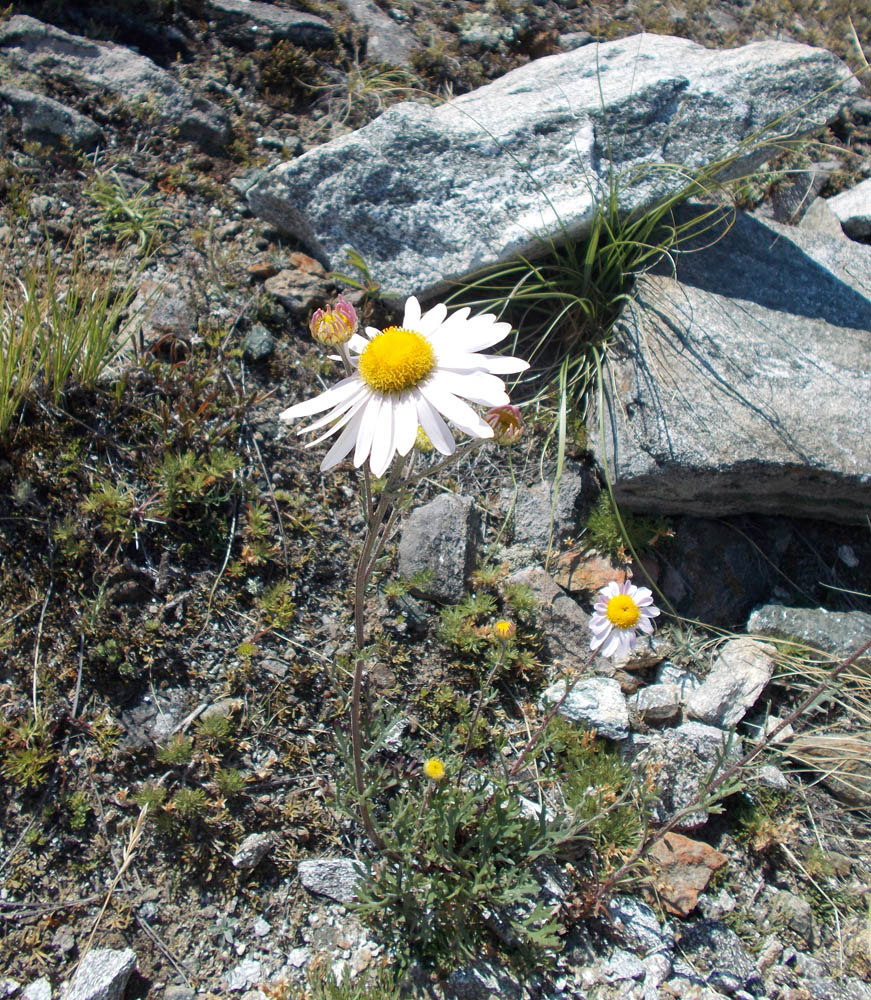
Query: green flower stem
x,y
377,532
474,723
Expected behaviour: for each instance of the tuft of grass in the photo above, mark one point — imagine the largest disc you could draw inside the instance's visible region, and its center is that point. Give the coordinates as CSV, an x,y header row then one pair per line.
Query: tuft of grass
x,y
129,218
57,329
620,536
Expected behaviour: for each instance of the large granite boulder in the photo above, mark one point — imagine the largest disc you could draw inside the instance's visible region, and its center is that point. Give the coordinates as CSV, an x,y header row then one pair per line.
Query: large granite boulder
x,y
430,194
30,45
741,382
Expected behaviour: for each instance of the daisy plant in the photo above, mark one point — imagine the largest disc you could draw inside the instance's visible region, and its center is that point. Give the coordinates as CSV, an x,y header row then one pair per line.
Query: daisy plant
x,y
404,387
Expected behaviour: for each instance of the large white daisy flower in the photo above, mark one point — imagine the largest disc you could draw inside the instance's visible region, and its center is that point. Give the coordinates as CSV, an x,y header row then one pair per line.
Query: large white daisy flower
x,y
409,376
620,611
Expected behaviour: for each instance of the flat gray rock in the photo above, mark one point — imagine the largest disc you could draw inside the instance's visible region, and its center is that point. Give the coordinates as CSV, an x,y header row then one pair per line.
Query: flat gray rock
x,y
742,386
41,48
538,513
429,195
48,121
259,24
337,878
594,703
853,210
680,762
840,633
565,624
441,539
102,975
738,675
386,41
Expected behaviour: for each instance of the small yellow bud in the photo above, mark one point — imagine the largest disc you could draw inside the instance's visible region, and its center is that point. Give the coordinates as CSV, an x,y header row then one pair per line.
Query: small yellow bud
x,y
504,630
434,769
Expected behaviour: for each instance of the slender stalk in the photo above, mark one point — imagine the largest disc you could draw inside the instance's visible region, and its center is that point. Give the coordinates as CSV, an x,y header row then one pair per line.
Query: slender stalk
x,y
377,531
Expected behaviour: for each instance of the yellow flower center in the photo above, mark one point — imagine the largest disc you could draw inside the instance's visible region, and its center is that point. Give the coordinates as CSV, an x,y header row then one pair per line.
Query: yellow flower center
x,y
622,611
396,360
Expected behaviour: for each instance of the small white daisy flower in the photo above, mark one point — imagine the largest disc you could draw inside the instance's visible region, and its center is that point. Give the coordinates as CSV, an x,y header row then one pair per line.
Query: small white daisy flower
x,y
412,376
620,611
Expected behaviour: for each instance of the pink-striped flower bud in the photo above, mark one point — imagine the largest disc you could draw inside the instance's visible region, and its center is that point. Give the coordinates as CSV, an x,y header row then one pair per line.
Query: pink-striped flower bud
x,y
506,423
334,325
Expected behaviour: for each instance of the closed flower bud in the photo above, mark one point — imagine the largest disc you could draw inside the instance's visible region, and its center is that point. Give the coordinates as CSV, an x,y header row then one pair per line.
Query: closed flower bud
x,y
335,324
506,423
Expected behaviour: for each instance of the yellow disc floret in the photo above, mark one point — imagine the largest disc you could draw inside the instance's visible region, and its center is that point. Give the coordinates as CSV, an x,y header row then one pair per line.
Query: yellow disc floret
x,y
622,611
434,769
396,360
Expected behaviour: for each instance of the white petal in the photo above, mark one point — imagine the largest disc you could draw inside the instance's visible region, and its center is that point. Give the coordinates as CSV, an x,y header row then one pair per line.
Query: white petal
x,y
383,445
456,410
646,626
495,364
359,344
352,412
372,332
363,391
649,612
336,394
642,594
475,334
432,320
412,314
367,430
611,589
598,640
479,387
612,645
434,427
406,423
343,444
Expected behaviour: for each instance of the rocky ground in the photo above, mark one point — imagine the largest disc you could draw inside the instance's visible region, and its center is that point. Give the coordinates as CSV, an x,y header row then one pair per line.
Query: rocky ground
x,y
175,574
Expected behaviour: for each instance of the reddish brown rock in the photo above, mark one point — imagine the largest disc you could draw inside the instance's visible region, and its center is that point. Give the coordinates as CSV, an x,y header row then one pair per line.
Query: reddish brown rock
x,y
683,868
260,270
586,571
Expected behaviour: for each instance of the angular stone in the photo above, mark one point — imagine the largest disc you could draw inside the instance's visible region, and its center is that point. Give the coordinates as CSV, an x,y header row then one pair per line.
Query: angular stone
x,y
441,539
684,680
585,572
839,633
337,878
680,762
256,25
102,975
639,926
743,385
258,345
541,518
656,702
684,868
565,624
386,41
253,850
29,44
39,989
789,910
594,703
429,195
853,210
716,952
48,121
740,672
298,291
